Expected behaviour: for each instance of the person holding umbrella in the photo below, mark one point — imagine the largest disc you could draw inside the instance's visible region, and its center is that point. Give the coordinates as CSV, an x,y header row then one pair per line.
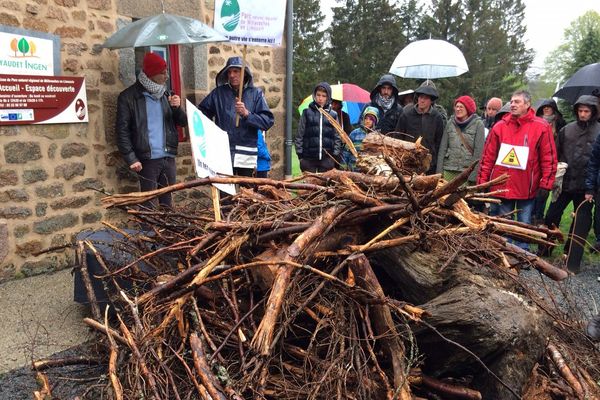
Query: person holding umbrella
x,y
422,119
224,105
384,97
146,127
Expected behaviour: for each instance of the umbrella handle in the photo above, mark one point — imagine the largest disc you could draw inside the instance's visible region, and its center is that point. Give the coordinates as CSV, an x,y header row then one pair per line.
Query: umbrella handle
x,y
241,90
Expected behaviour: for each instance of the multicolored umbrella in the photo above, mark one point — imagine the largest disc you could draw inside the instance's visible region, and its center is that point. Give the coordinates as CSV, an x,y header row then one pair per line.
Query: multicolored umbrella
x,y
353,98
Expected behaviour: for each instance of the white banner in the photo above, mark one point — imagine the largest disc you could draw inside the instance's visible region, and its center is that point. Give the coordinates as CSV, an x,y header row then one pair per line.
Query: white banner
x,y
210,147
252,22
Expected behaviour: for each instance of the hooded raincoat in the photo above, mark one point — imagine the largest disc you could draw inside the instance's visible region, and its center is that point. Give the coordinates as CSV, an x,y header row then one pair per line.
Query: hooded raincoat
x,y
220,105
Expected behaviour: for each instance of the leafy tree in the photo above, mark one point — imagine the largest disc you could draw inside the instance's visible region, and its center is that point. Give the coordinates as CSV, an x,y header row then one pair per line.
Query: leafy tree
x,y
490,33
308,48
580,47
365,37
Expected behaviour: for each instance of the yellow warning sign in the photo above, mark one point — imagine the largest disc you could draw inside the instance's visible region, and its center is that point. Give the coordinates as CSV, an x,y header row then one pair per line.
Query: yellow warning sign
x,y
511,159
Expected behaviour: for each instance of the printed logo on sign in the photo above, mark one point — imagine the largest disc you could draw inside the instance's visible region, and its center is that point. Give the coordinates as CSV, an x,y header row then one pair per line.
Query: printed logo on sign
x,y
199,133
23,46
511,159
80,109
230,15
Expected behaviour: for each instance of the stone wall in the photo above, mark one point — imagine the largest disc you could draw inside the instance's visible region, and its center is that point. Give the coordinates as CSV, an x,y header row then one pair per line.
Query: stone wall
x,y
53,176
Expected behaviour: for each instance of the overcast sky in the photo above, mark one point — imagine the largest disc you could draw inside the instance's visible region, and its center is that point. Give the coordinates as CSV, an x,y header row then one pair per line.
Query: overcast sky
x,y
546,21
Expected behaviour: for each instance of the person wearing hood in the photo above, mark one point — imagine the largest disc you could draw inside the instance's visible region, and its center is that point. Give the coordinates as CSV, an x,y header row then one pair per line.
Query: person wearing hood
x,y
370,116
462,141
422,119
224,105
582,179
317,143
384,97
548,110
520,145
146,127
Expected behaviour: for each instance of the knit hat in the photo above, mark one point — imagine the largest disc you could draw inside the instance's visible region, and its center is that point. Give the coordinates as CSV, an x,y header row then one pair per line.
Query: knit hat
x,y
468,102
495,103
153,64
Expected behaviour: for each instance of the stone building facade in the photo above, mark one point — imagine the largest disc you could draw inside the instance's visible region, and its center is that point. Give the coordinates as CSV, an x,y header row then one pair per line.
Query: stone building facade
x,y
52,177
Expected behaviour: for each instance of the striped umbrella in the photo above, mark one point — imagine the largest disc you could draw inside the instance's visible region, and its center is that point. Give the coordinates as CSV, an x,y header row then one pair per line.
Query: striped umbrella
x,y
353,98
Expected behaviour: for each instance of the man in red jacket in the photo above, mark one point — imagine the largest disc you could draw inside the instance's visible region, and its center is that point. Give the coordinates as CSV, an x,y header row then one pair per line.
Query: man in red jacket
x,y
522,146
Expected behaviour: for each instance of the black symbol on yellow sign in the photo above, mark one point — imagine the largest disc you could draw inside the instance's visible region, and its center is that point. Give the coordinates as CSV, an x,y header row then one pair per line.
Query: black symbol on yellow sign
x,y
511,159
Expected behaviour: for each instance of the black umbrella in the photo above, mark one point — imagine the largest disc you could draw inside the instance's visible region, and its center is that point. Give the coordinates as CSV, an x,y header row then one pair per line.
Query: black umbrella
x,y
585,81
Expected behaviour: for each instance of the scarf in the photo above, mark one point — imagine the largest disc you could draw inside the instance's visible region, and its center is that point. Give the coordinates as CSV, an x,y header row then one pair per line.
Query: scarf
x,y
463,124
157,91
386,104
549,118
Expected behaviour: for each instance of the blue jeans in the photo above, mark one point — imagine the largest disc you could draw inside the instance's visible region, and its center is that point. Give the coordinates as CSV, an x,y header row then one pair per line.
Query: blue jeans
x,y
524,213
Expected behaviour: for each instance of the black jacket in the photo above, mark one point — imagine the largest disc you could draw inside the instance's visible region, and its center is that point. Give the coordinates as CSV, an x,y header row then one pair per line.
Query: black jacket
x,y
387,119
132,124
316,136
429,125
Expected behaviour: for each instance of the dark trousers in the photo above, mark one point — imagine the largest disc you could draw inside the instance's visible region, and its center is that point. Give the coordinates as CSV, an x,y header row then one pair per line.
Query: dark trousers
x,y
243,171
156,174
556,210
309,165
539,206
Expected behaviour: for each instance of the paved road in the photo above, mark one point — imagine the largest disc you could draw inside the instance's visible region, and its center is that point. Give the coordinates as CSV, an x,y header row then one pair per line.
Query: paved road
x,y
38,318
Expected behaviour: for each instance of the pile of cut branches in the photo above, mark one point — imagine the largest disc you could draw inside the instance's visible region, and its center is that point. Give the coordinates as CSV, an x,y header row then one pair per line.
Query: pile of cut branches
x,y
278,299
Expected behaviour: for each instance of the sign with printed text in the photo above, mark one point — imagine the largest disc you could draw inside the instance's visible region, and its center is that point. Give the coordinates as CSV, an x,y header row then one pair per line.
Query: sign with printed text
x,y
26,55
42,100
210,147
512,156
252,22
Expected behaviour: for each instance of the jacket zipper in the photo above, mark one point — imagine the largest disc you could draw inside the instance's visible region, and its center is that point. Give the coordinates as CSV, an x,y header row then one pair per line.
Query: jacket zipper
x,y
320,136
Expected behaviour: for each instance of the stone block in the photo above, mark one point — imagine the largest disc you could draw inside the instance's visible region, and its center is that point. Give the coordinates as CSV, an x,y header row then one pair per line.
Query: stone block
x,y
76,49
55,223
32,9
72,32
53,132
21,230
57,13
50,191
22,152
99,4
8,177
70,202
9,19
67,3
91,217
14,212
7,272
14,195
79,15
273,101
88,184
34,175
72,65
69,150
107,78
28,248
70,170
34,24
52,151
40,209
11,5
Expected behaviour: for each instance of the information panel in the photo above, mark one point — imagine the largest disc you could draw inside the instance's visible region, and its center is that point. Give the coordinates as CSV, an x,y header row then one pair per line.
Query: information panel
x,y
31,99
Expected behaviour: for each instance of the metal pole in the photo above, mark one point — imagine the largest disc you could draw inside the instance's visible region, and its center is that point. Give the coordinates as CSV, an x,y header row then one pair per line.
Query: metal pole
x,y
289,51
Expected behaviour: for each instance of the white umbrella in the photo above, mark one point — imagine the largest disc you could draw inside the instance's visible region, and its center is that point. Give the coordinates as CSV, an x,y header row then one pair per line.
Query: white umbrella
x,y
163,29
429,59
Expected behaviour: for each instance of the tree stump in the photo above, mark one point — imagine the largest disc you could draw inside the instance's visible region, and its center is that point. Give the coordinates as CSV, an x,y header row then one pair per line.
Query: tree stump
x,y
475,306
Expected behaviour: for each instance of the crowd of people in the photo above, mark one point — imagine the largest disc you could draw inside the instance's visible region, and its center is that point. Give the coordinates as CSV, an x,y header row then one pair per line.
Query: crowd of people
x,y
529,145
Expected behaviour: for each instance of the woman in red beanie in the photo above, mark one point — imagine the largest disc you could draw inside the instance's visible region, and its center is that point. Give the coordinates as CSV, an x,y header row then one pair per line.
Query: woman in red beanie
x,y
462,142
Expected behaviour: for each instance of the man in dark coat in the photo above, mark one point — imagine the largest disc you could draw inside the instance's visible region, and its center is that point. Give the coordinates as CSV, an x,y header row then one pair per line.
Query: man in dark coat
x,y
224,105
575,146
146,127
422,119
384,97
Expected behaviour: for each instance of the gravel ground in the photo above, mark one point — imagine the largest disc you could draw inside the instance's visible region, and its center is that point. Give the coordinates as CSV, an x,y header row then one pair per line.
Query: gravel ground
x,y
578,294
